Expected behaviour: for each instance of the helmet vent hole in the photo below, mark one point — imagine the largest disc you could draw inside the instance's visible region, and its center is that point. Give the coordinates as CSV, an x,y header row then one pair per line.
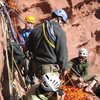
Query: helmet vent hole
x,y
45,84
47,77
54,81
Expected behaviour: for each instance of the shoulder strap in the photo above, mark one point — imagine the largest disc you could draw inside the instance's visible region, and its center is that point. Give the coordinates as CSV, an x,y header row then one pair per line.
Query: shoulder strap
x,y
44,33
50,30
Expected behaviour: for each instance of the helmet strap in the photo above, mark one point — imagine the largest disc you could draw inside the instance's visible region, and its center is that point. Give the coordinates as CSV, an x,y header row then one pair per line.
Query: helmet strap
x,y
40,90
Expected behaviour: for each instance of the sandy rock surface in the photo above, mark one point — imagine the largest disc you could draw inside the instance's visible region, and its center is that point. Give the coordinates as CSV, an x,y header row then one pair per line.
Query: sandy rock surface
x,y
82,28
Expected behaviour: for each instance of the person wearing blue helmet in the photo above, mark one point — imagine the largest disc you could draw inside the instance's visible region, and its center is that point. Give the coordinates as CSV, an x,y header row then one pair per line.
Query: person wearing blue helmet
x,y
47,42
60,13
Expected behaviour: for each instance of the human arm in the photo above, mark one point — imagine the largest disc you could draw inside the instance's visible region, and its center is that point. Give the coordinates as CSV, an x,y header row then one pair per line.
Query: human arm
x,y
85,72
61,50
60,95
68,70
1,96
29,42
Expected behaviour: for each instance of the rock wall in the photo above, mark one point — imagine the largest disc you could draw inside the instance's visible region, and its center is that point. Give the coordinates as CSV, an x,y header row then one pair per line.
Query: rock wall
x,y
82,28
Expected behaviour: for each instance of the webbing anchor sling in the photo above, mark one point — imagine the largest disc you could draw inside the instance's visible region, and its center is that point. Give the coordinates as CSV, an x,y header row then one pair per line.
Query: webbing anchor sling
x,y
48,41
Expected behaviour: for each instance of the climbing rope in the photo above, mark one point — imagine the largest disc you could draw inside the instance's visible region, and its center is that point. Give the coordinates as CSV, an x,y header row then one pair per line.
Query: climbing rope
x,y
46,38
5,32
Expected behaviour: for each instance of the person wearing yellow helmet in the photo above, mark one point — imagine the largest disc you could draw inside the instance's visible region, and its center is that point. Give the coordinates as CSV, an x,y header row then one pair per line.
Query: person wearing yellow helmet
x,y
29,26
24,33
30,22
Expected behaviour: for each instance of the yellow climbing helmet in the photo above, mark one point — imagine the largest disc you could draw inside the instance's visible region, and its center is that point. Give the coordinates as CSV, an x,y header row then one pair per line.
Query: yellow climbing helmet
x,y
30,19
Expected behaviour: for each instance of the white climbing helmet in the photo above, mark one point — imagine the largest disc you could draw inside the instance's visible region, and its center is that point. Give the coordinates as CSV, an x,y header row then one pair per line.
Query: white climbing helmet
x,y
61,13
50,82
83,52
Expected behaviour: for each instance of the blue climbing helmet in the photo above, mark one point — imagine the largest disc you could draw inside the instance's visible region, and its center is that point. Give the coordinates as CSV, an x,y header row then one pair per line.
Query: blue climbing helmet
x,y
61,13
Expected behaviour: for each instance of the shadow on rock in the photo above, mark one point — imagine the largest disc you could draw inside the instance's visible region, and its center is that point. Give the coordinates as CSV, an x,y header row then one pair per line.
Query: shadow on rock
x,y
97,13
97,37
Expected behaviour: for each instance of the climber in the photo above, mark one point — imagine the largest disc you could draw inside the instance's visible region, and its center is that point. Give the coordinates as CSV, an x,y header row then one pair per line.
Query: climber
x,y
29,26
47,42
79,65
24,33
46,90
79,72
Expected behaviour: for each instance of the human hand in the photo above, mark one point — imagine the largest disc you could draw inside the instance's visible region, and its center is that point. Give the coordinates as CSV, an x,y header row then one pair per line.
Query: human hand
x,y
81,79
1,96
60,95
65,72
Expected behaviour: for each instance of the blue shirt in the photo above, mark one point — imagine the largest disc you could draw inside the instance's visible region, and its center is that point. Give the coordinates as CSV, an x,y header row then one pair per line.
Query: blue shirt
x,y
24,34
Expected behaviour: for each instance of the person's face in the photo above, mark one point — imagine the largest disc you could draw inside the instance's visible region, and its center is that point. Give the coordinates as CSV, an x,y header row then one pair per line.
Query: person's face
x,y
82,59
29,25
60,21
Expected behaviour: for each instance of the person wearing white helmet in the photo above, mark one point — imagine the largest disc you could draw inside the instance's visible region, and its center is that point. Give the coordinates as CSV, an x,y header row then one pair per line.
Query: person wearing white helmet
x,y
83,53
79,65
79,72
47,42
49,85
78,69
